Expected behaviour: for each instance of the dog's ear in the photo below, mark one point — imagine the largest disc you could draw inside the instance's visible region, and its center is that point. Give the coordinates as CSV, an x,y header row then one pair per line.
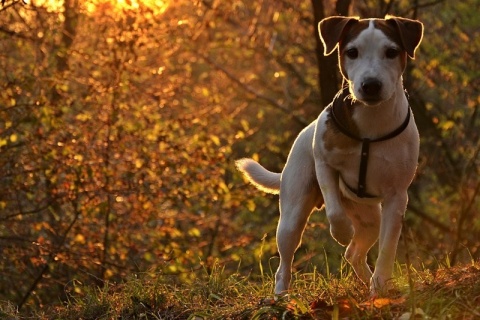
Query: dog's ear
x,y
411,33
331,31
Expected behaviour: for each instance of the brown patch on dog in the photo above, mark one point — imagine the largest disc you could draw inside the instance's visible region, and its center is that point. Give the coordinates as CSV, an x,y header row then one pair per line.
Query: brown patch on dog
x,y
333,137
410,32
332,29
344,109
391,31
351,33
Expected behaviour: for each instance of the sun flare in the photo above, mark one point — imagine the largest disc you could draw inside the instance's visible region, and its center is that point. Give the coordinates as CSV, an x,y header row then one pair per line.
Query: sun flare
x,y
135,4
158,6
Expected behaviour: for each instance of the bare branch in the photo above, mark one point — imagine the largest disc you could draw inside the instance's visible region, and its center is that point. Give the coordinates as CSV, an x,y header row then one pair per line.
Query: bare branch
x,y
5,5
434,222
300,120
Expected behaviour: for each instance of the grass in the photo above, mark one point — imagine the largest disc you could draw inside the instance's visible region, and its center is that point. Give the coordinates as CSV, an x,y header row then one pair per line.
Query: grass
x,y
447,293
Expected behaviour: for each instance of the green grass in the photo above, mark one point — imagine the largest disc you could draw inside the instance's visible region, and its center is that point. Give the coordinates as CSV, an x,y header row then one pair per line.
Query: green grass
x,y
447,293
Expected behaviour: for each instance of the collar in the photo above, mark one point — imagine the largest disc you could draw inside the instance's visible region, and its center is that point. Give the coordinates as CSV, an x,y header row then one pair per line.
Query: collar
x,y
342,100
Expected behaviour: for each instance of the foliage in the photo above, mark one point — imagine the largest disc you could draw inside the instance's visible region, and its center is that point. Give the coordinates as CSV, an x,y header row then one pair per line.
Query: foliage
x,y
120,122
446,97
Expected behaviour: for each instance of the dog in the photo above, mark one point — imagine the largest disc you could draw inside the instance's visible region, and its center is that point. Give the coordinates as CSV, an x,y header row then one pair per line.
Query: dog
x,y
358,158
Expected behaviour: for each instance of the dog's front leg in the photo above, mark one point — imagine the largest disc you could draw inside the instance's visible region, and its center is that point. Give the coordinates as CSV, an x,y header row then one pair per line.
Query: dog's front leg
x,y
390,229
340,225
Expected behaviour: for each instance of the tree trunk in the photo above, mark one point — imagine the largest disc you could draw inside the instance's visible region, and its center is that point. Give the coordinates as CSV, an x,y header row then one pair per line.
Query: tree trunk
x,y
328,75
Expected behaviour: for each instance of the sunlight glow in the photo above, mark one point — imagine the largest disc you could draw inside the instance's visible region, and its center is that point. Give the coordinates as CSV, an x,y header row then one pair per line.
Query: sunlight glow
x,y
158,6
51,5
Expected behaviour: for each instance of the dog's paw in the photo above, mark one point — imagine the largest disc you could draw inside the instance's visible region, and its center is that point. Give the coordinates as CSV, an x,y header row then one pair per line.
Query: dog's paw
x,y
382,286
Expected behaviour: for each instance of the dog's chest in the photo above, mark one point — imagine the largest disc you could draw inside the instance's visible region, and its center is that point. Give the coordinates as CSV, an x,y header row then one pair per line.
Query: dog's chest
x,y
387,162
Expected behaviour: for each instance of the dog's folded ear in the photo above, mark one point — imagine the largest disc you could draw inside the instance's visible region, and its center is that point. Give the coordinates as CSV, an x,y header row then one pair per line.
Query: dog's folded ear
x,y
331,31
411,33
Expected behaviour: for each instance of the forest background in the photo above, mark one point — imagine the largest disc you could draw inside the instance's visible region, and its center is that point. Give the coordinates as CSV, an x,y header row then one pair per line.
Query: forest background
x,y
120,122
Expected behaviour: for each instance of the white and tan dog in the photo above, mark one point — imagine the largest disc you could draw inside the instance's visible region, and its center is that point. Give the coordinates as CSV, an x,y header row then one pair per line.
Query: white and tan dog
x,y
367,126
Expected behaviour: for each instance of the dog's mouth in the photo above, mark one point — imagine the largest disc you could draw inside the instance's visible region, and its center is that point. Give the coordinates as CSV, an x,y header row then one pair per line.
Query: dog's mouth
x,y
372,102
368,101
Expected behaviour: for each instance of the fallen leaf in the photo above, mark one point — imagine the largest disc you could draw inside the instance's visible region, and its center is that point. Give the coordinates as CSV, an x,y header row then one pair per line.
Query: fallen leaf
x,y
379,303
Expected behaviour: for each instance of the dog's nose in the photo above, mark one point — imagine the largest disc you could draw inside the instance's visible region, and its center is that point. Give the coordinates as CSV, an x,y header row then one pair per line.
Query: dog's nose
x,y
371,87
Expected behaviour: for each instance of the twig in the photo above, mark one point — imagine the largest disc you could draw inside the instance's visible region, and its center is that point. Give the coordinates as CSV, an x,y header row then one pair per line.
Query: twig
x,y
300,120
429,219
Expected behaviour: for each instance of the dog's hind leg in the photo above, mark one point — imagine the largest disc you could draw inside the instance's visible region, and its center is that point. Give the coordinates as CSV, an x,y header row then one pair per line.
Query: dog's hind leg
x,y
366,223
299,195
294,214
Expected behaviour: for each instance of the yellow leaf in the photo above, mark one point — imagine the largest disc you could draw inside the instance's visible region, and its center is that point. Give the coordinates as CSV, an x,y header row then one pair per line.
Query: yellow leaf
x,y
148,256
240,135
138,163
13,138
108,273
235,257
162,146
447,125
251,205
224,187
245,125
194,232
79,238
215,140
83,117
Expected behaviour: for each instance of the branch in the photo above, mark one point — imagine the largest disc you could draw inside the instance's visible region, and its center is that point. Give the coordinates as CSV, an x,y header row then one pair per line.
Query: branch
x,y
15,34
51,257
300,120
429,219
417,6
11,4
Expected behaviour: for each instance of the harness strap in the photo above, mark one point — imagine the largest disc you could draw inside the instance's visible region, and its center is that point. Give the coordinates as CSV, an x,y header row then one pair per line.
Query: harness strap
x,y
362,174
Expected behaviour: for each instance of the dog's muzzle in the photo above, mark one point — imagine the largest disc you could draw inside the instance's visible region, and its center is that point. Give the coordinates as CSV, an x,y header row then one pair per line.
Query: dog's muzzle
x,y
371,89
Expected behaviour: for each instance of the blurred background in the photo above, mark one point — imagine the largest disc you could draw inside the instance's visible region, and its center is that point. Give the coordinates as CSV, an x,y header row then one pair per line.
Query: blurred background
x,y
120,122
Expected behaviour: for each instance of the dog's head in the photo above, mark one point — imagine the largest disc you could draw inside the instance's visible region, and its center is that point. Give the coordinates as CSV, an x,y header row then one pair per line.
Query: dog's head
x,y
372,52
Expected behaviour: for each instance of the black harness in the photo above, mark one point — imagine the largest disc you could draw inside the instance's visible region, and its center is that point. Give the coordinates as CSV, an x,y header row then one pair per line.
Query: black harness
x,y
362,174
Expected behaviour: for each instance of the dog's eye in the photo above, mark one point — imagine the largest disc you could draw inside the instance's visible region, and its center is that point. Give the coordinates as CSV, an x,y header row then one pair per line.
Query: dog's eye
x,y
352,53
392,53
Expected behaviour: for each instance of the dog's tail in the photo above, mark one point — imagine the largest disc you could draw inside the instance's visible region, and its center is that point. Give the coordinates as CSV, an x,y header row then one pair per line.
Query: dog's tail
x,y
260,177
